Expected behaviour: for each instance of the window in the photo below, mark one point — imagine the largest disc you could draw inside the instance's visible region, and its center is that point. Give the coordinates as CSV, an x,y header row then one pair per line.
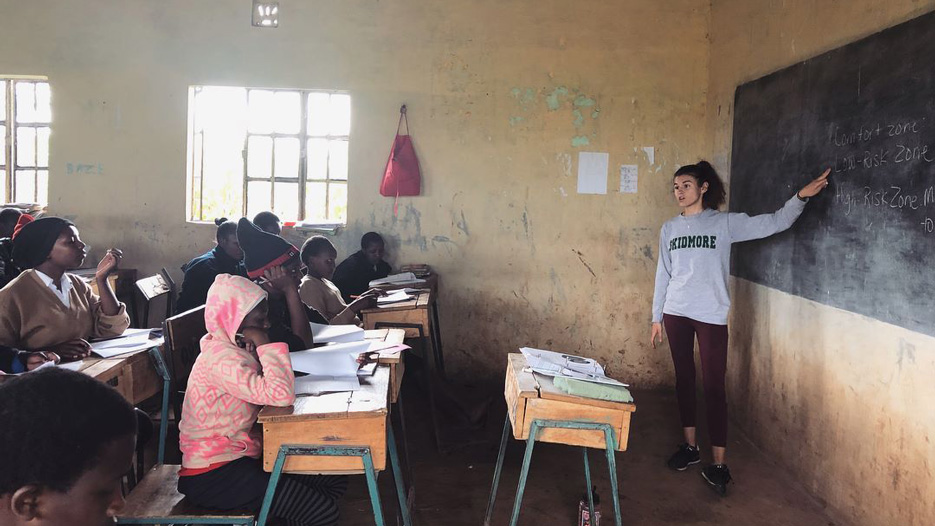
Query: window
x,y
24,139
251,150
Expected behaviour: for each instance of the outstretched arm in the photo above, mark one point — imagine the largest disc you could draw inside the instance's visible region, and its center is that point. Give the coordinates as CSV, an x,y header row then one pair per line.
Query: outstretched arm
x,y
742,227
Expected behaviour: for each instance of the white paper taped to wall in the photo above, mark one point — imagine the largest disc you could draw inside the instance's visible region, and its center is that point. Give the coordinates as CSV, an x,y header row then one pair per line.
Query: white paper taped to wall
x,y
592,172
628,178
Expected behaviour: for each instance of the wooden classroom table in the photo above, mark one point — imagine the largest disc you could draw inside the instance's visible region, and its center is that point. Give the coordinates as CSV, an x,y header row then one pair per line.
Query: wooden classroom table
x,y
133,374
350,418
414,311
394,360
531,396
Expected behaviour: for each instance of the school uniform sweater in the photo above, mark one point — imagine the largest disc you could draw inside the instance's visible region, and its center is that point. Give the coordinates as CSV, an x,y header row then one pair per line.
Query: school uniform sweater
x,y
32,317
200,273
229,385
323,296
354,274
694,259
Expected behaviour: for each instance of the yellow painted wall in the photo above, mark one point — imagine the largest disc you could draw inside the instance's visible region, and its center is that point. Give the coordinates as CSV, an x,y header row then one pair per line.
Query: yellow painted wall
x,y
492,89
844,401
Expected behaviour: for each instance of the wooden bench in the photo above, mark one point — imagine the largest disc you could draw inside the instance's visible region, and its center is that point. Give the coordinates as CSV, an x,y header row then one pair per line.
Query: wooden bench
x,y
156,500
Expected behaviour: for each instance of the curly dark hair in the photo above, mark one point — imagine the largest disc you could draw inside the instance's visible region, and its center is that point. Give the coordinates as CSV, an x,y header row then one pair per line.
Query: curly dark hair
x,y
314,246
55,424
703,173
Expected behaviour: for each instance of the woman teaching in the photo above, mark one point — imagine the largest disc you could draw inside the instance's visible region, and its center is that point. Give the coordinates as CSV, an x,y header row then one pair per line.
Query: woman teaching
x,y
691,298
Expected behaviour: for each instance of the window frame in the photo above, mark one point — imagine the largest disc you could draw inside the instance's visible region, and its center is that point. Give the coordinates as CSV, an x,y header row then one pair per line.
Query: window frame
x,y
197,138
10,165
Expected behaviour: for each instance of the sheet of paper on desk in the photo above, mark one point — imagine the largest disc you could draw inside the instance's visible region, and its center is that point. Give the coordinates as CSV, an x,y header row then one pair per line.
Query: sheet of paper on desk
x,y
336,333
315,385
131,340
337,359
552,363
397,296
396,279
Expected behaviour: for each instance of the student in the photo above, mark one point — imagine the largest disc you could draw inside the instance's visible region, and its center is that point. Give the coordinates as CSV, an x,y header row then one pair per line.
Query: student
x,y
273,262
317,290
691,298
8,219
268,222
225,258
15,361
238,371
66,442
47,309
354,274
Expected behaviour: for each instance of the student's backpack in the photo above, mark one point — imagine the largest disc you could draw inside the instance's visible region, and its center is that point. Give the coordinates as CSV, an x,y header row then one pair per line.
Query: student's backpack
x,y
401,177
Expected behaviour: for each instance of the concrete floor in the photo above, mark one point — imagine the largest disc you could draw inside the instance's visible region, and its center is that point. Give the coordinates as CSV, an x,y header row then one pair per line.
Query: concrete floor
x,y
452,489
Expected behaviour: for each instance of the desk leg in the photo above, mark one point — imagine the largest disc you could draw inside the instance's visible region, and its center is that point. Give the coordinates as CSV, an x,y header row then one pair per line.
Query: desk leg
x,y
401,416
610,444
497,471
435,331
524,472
397,474
163,371
587,481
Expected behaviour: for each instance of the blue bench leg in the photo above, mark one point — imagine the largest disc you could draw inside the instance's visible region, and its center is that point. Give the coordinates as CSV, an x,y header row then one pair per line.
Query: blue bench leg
x,y
524,472
163,371
497,471
587,481
373,489
398,476
611,444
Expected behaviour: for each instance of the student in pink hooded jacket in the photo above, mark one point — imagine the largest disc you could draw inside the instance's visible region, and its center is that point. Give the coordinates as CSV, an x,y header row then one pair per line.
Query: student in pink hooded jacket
x,y
238,372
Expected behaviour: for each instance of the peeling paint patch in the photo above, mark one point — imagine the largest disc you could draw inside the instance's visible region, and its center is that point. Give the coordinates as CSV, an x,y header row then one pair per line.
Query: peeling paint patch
x,y
526,222
561,190
554,100
595,113
565,160
442,239
582,101
579,118
580,140
515,120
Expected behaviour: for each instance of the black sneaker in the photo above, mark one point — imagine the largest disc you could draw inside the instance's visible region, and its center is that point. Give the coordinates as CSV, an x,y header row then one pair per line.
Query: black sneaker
x,y
684,457
718,477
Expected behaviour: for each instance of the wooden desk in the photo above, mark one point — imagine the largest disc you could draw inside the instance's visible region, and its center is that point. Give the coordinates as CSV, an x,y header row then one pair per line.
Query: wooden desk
x,y
392,359
419,318
133,374
355,418
531,396
431,283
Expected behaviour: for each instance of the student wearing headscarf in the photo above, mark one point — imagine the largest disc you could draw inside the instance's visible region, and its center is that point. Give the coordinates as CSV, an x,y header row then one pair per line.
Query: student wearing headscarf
x,y
47,309
273,263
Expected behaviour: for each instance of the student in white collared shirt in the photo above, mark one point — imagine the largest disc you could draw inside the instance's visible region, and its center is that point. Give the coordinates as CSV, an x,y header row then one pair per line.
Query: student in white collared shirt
x,y
47,309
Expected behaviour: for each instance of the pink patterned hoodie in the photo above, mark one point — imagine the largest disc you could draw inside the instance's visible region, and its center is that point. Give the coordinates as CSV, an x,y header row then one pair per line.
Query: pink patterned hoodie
x,y
229,385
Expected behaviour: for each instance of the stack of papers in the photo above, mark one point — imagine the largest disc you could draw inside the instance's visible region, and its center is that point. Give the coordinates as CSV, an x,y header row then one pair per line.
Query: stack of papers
x,y
330,368
404,278
131,340
397,296
566,365
336,333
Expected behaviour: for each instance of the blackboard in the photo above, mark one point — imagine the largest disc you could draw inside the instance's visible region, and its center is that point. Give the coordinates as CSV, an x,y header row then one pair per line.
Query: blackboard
x,y
866,110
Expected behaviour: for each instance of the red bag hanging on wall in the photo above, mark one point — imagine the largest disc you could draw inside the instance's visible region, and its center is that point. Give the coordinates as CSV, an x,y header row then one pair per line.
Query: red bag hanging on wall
x,y
401,176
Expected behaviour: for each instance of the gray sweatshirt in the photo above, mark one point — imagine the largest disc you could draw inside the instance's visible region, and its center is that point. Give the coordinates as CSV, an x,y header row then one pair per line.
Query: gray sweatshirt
x,y
694,259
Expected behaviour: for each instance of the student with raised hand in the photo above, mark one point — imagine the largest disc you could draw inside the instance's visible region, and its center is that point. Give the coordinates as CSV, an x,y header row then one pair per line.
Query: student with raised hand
x,y
66,442
225,258
692,300
47,309
274,264
268,222
317,291
354,274
238,371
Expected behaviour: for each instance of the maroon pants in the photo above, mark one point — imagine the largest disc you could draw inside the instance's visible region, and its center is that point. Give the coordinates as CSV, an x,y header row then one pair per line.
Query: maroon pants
x,y
712,345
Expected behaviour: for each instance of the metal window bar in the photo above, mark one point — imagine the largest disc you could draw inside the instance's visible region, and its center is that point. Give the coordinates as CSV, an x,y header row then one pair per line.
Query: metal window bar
x,y
7,144
12,165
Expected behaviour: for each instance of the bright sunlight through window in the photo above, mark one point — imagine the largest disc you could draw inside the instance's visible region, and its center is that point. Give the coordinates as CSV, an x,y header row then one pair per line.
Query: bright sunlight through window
x,y
251,150
25,128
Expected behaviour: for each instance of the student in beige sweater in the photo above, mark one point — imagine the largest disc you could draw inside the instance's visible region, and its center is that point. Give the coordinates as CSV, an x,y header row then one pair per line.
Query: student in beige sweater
x,y
47,309
318,292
